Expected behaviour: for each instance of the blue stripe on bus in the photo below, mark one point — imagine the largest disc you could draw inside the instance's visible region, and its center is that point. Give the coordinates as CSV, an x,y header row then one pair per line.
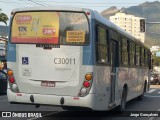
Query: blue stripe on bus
x,y
11,48
11,53
88,51
88,56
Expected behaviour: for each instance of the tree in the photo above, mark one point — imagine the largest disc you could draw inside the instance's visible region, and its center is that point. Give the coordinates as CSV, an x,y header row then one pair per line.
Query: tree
x,y
3,18
156,60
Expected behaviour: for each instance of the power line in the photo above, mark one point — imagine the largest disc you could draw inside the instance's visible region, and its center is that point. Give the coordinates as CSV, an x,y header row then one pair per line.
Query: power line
x,y
18,4
36,3
25,2
89,6
12,3
40,3
86,2
152,22
44,4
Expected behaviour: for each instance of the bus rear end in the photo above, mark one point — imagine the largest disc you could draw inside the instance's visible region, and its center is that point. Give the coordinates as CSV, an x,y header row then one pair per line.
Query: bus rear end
x,y
49,58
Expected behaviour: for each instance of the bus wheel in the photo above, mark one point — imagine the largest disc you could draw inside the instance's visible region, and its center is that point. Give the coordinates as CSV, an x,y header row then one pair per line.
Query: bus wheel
x,y
144,91
122,106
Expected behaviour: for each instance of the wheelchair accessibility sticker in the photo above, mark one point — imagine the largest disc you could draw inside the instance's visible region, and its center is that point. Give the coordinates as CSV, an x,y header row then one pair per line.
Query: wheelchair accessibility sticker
x,y
25,61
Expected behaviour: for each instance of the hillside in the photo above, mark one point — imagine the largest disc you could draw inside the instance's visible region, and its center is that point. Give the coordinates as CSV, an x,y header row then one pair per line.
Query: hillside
x,y
109,12
148,10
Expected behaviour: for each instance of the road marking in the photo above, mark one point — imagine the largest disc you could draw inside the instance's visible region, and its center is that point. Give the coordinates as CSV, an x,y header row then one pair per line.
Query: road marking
x,y
152,96
152,118
152,90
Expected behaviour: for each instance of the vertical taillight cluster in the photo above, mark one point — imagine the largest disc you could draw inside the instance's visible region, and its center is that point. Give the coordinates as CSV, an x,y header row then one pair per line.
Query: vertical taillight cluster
x,y
12,82
86,85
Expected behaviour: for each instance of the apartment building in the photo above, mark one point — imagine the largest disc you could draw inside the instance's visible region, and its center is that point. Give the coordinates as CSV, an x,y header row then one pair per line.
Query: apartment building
x,y
131,24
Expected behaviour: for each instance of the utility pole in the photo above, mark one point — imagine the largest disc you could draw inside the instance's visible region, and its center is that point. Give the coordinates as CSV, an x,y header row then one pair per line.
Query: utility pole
x,y
152,22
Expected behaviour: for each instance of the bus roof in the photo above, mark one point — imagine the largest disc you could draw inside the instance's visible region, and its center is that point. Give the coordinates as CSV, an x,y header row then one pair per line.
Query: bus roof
x,y
47,8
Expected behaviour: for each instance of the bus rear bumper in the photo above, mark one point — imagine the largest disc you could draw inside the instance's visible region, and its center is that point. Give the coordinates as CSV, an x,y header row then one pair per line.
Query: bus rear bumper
x,y
23,98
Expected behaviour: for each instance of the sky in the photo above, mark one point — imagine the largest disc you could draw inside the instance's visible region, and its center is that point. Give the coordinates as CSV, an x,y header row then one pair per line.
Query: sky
x,y
99,5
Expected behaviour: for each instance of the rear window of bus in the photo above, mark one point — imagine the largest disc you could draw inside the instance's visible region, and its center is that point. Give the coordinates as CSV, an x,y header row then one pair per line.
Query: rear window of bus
x,y
64,28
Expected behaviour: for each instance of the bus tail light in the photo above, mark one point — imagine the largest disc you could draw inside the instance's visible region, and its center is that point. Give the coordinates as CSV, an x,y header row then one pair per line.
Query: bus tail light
x,y
86,85
12,81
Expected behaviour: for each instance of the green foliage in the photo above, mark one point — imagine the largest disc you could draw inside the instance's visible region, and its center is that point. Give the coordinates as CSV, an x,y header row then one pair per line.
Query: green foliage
x,y
156,60
3,18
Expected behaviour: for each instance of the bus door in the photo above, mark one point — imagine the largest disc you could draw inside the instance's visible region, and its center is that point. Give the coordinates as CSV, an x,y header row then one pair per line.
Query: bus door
x,y
114,64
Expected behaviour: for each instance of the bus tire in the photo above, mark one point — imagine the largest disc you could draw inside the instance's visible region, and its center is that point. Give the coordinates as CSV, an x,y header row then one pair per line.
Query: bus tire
x,y
122,106
144,91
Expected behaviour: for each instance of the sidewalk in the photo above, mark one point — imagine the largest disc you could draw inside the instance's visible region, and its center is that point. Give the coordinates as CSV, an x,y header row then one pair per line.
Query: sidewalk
x,y
155,86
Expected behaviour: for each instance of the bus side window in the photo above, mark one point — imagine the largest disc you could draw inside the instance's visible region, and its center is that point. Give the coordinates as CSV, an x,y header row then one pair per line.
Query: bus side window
x,y
142,57
137,55
149,60
102,45
124,51
132,54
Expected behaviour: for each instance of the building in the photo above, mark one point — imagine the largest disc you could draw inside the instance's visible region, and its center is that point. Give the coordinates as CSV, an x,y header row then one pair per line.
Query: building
x,y
3,48
131,24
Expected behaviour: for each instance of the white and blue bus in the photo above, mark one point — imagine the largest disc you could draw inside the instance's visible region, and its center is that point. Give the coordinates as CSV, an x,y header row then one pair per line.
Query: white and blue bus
x,y
74,57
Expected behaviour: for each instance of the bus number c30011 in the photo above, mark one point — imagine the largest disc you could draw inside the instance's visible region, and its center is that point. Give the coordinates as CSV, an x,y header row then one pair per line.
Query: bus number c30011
x,y
67,61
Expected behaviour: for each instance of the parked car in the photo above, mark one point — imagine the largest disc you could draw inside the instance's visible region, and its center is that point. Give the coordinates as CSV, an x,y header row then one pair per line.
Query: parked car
x,y
155,78
3,82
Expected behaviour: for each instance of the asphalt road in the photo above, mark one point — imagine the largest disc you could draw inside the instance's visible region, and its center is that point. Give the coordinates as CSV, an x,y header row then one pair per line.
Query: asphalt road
x,y
149,104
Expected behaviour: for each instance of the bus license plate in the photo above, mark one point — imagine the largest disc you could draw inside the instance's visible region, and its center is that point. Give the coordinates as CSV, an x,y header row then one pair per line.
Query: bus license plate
x,y
48,83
